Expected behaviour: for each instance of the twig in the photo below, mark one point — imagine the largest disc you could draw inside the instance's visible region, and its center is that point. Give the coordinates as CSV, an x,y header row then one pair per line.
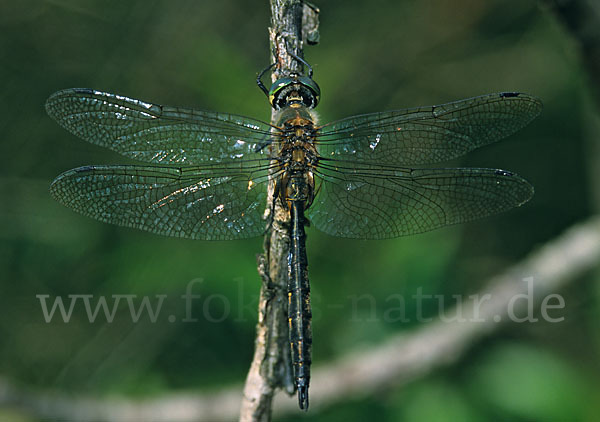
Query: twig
x,y
406,356
270,367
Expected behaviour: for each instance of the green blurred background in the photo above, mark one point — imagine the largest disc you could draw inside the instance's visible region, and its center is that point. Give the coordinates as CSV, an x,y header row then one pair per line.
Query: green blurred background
x,y
373,56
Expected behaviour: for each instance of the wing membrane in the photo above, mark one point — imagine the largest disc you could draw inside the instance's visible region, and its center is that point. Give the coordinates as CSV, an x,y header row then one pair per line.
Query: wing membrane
x,y
158,134
428,135
188,202
376,204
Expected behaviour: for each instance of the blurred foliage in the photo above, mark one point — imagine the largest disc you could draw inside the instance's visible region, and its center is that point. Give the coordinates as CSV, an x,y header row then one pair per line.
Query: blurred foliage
x,y
373,56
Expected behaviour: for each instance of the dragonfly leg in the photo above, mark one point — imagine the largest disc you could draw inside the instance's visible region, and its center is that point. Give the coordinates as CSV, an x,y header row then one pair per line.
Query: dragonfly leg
x,y
259,79
304,62
271,216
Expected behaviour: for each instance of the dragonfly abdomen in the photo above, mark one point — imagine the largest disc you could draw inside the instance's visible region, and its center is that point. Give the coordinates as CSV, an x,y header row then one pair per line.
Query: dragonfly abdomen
x,y
295,189
299,312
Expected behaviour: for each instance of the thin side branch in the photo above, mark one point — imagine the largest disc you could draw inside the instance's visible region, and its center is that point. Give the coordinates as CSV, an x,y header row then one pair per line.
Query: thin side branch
x,y
407,356
582,20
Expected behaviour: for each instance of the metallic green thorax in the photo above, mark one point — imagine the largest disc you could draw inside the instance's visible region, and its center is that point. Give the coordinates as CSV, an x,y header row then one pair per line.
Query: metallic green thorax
x,y
294,88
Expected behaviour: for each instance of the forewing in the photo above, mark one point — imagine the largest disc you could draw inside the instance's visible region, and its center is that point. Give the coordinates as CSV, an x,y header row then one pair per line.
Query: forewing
x,y
427,135
158,134
190,202
373,203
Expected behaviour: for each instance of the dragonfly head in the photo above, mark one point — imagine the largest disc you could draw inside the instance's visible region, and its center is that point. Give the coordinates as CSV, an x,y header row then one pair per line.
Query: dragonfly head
x,y
294,89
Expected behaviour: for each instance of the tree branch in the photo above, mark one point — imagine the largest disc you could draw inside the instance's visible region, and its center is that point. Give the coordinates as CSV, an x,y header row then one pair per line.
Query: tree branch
x,y
271,365
407,356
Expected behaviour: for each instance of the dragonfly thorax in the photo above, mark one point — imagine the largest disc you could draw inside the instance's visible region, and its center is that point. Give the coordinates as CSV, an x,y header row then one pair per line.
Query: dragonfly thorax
x,y
298,133
294,117
297,156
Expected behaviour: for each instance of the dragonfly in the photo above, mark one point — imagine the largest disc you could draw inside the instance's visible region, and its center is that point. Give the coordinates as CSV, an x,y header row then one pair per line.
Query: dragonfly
x,y
370,176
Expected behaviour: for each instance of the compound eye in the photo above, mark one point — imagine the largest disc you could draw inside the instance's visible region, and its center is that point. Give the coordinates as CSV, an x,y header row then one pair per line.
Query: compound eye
x,y
276,89
312,86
